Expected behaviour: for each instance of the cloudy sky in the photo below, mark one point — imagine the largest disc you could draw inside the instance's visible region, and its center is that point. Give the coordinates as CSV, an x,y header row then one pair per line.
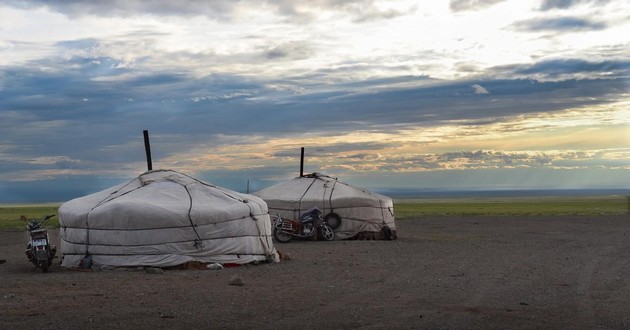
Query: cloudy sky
x,y
459,94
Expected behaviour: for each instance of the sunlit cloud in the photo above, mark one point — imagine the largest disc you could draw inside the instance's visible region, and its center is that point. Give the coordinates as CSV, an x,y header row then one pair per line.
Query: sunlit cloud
x,y
510,145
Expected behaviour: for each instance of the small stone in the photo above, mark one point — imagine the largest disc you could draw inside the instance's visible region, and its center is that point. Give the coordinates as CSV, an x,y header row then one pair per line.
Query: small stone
x,y
153,270
236,280
215,266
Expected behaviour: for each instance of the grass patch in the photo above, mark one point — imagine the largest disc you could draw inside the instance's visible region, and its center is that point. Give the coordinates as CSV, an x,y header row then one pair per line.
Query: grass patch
x,y
597,205
412,208
10,215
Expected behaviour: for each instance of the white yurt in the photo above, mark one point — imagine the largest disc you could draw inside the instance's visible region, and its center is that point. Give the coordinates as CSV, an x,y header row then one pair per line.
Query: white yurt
x,y
164,218
352,212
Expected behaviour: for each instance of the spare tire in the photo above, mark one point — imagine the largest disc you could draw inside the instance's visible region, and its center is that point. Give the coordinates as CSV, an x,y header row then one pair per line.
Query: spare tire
x,y
333,220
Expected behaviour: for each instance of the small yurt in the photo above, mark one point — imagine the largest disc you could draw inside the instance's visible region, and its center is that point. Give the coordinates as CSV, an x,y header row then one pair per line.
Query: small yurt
x,y
164,218
352,212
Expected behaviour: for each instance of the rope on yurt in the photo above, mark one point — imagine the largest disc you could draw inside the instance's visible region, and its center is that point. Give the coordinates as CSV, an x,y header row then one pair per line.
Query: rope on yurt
x,y
304,194
87,217
380,204
198,242
213,186
332,190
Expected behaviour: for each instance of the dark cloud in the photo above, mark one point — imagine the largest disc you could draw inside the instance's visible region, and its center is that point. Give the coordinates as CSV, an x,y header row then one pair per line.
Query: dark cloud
x,y
293,50
72,103
361,10
559,24
52,190
215,8
559,67
463,5
565,4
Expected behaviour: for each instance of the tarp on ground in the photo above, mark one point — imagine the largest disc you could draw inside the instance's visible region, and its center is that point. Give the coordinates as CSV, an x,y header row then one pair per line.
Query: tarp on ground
x,y
164,218
360,210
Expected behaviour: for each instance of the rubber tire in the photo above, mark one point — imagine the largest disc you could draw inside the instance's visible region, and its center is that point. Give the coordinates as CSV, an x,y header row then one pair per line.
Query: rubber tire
x,y
327,233
43,265
333,220
281,237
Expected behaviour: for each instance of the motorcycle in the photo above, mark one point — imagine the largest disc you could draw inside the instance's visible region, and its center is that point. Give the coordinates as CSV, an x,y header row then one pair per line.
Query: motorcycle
x,y
39,250
311,223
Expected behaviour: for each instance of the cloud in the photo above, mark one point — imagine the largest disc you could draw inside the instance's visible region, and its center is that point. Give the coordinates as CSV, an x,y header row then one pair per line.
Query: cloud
x,y
569,68
566,4
493,159
372,13
125,8
562,24
360,11
292,50
227,10
479,89
463,5
234,88
52,101
556,68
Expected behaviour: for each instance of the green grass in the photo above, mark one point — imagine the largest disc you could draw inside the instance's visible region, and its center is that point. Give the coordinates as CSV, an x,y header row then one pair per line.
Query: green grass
x,y
413,208
10,215
597,205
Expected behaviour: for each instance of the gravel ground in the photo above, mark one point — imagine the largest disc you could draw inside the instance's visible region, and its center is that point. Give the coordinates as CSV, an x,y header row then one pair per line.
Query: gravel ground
x,y
442,272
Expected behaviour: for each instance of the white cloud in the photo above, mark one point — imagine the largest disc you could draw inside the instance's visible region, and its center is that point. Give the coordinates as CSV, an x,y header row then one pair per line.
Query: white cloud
x,y
479,89
461,5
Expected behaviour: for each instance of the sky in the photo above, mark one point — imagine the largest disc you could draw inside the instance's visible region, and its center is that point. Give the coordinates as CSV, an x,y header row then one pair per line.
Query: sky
x,y
385,95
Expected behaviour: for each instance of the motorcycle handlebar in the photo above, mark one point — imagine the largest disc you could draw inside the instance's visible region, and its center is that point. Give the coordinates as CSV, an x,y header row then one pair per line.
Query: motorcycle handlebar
x,y
46,218
42,220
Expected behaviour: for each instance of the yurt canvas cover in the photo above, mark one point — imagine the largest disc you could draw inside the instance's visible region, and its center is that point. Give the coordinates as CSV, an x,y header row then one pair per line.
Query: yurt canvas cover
x,y
361,211
164,218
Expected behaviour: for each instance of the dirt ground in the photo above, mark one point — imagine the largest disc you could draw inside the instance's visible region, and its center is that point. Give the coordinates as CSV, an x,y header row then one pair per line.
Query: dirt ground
x,y
442,272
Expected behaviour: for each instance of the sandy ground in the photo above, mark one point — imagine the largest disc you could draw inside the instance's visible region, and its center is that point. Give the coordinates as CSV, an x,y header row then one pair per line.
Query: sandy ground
x,y
442,272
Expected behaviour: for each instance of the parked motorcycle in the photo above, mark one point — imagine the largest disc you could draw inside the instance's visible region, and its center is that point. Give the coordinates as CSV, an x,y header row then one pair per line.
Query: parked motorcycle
x,y
39,250
311,223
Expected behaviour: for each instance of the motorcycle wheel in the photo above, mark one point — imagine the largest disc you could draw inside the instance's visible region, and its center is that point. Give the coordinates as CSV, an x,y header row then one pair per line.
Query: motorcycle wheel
x,y
327,233
281,236
43,265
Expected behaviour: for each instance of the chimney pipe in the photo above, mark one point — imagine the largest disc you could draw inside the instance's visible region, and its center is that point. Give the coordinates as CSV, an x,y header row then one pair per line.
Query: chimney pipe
x,y
302,163
147,148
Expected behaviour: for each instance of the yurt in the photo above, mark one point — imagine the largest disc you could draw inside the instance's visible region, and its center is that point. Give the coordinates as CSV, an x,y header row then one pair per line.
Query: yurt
x,y
164,218
352,212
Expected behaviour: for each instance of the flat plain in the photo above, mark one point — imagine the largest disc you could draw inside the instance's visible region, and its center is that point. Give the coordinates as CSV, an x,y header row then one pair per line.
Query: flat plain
x,y
444,271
